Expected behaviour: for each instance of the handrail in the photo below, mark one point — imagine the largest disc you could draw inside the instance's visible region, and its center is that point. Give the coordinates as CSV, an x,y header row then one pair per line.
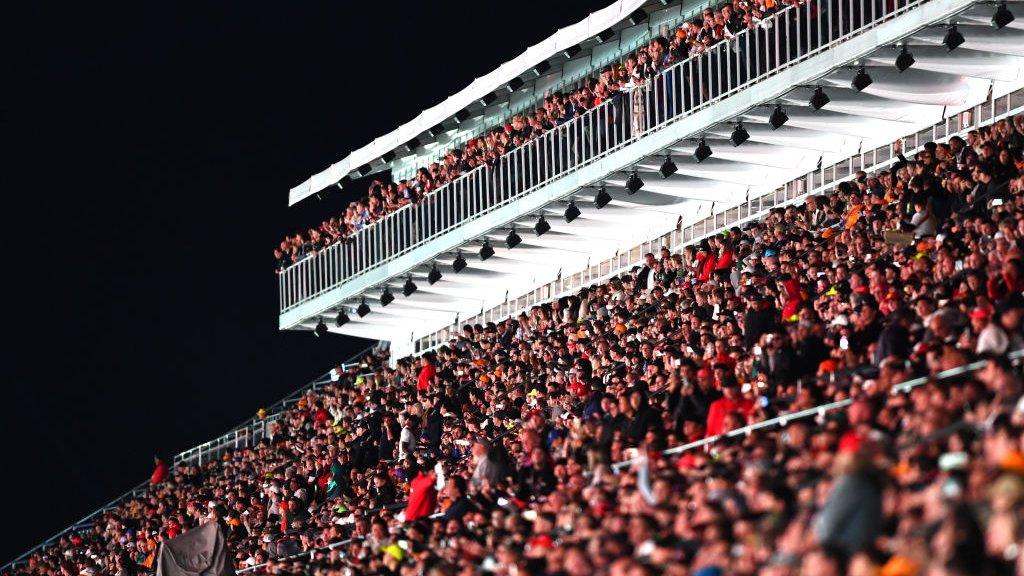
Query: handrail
x,y
221,442
252,424
679,90
783,420
571,83
812,183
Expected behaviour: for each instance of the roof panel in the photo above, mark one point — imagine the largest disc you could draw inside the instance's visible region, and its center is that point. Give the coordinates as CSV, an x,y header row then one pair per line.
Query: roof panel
x,y
568,36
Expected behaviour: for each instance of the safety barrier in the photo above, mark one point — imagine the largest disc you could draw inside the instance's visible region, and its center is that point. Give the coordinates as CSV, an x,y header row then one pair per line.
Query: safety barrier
x,y
788,37
243,435
816,182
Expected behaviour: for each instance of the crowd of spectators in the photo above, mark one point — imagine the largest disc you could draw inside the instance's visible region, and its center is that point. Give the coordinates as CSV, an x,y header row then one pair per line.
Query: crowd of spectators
x,y
690,38
494,453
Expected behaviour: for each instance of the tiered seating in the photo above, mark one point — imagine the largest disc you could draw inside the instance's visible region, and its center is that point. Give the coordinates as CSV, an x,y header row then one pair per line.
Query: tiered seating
x,y
903,273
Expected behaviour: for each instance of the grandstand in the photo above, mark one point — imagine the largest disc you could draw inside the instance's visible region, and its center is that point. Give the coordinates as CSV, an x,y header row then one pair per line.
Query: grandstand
x,y
750,303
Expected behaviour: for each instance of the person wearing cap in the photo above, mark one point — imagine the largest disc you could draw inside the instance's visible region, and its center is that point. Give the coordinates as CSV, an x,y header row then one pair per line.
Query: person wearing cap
x,y
851,519
991,338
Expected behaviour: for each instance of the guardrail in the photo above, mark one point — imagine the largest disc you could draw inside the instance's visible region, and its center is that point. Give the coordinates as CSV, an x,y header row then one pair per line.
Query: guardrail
x,y
785,419
565,84
812,183
705,443
249,431
794,35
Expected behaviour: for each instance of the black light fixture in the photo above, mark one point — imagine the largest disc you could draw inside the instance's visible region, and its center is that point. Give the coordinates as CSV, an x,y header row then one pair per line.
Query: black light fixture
x,y
571,51
410,287
342,318
634,183
434,275
513,239
637,16
541,67
739,134
363,308
604,35
953,38
819,99
387,157
436,130
487,99
571,211
514,84
412,145
862,80
460,263
702,152
905,59
386,297
541,227
668,167
603,198
321,329
461,116
364,169
1002,17
486,251
778,117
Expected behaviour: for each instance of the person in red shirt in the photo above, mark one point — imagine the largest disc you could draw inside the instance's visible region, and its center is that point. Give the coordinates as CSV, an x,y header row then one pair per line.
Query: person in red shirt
x,y
422,496
707,264
427,374
793,296
731,401
1008,284
725,261
159,472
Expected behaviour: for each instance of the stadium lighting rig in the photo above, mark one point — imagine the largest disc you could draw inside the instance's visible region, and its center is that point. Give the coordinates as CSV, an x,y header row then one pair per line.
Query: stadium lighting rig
x,y
434,275
739,134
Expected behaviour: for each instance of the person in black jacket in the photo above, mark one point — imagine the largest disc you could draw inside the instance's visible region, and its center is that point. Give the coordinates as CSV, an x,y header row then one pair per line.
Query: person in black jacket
x,y
894,339
643,277
761,318
455,490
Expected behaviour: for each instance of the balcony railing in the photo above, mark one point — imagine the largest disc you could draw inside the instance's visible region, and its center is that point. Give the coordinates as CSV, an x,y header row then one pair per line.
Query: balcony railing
x,y
569,83
244,435
786,38
819,181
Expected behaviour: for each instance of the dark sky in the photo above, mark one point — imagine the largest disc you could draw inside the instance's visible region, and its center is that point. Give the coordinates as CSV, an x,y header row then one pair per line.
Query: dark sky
x,y
148,154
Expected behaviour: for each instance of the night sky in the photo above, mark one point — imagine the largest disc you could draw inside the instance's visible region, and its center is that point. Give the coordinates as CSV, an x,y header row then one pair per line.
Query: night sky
x,y
148,154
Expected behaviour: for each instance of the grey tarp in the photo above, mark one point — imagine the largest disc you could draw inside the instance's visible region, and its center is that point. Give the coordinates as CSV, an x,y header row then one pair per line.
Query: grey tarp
x,y
198,552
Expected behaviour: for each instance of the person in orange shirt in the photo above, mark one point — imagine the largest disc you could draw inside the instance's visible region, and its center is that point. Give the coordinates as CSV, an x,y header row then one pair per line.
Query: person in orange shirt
x,y
854,211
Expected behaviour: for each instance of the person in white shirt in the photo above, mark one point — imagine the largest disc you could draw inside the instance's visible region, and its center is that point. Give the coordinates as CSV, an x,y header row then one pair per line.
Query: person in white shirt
x,y
407,439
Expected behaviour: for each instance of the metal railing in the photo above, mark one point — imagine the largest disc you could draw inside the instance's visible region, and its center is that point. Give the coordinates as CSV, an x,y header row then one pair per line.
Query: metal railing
x,y
786,38
566,84
784,419
243,435
705,443
253,430
812,183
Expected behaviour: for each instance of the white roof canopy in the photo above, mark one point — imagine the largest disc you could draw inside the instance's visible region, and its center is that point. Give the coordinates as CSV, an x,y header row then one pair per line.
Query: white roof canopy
x,y
564,39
